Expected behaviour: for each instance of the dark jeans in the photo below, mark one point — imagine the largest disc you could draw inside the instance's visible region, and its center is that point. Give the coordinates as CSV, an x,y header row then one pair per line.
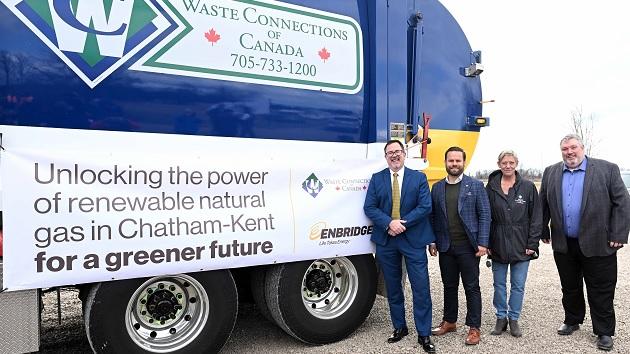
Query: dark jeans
x,y
461,260
600,276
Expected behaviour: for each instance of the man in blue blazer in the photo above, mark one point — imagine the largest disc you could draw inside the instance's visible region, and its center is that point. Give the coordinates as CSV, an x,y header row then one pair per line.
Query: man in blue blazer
x,y
461,221
399,204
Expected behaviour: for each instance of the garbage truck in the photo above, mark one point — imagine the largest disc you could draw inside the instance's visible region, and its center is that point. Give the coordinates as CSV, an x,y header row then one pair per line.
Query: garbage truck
x,y
172,158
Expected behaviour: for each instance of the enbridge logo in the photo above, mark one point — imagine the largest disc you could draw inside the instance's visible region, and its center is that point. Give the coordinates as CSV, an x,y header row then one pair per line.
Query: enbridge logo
x,y
95,37
321,230
316,230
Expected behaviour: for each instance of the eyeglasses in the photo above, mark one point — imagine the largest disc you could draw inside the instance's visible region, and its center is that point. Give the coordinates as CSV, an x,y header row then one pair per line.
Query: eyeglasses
x,y
394,153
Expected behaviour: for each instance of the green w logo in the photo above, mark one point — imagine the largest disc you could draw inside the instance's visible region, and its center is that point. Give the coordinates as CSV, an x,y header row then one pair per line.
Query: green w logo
x,y
108,21
95,37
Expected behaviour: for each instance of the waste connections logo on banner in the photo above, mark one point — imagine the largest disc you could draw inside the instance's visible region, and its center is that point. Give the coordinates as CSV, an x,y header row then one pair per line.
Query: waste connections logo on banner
x,y
254,41
312,185
95,37
348,184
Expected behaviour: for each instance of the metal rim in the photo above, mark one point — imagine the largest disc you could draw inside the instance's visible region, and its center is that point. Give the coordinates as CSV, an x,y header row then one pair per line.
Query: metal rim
x,y
329,287
166,314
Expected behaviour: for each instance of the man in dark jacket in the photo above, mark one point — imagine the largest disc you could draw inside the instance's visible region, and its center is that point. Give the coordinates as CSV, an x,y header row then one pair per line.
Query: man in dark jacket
x,y
461,222
514,236
588,206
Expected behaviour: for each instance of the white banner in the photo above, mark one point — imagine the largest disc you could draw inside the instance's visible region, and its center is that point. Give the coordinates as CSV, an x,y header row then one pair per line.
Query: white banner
x,y
95,206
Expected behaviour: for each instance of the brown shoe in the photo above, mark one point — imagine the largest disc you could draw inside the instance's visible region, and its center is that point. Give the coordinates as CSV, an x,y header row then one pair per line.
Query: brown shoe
x,y
444,328
473,336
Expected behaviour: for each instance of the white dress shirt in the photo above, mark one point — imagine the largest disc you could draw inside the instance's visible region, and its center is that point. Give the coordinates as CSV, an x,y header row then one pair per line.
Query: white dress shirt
x,y
401,174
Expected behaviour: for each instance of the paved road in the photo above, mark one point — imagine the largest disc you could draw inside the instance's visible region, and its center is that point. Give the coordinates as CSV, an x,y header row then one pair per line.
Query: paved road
x,y
542,314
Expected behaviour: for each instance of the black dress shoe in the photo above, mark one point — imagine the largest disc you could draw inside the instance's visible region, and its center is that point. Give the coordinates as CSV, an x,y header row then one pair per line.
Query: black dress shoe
x,y
427,344
398,334
566,329
604,343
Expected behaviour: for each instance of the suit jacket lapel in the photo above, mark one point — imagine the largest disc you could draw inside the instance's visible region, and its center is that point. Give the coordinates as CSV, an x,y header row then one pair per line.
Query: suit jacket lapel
x,y
588,179
442,195
557,176
464,189
405,183
388,191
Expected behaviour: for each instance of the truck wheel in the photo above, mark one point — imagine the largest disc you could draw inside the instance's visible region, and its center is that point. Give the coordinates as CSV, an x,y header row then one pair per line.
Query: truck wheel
x,y
168,314
322,301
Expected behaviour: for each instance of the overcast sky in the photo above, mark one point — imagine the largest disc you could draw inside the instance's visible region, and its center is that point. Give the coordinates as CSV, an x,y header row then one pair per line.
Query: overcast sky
x,y
544,59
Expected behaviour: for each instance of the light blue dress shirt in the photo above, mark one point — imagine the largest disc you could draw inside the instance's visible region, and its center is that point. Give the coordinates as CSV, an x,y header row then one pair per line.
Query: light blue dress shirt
x,y
572,188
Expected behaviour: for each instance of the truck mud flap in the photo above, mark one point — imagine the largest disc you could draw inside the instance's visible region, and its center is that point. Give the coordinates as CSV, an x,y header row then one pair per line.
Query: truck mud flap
x,y
19,320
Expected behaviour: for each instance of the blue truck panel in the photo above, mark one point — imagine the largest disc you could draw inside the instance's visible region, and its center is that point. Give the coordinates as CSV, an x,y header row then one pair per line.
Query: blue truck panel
x,y
38,89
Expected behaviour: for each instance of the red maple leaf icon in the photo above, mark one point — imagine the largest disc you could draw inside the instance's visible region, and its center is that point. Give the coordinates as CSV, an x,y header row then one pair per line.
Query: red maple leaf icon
x,y
212,36
324,54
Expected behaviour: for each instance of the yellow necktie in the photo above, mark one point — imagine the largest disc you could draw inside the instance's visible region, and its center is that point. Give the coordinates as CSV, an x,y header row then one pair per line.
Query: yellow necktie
x,y
395,198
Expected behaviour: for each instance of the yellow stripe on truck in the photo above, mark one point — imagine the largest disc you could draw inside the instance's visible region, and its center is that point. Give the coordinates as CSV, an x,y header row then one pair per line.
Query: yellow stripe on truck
x,y
441,140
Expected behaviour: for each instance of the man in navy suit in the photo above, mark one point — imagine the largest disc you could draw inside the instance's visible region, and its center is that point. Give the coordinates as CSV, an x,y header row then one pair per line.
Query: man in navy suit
x,y
461,221
399,205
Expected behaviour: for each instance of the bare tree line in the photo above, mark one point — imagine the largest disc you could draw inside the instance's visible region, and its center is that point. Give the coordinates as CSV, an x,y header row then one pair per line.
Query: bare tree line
x,y
583,125
532,174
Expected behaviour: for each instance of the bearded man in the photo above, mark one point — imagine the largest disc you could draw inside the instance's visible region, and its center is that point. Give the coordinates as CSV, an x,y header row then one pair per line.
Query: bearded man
x,y
461,222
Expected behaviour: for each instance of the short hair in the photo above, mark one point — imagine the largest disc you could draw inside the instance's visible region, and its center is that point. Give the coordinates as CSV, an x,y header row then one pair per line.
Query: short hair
x,y
505,153
394,141
572,137
455,148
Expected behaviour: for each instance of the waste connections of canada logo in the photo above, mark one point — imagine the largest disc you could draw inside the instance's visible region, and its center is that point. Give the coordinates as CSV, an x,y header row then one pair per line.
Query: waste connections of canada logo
x,y
254,41
312,185
95,37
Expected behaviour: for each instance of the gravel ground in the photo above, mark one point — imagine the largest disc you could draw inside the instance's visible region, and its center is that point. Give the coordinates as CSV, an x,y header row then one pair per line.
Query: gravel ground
x,y
542,314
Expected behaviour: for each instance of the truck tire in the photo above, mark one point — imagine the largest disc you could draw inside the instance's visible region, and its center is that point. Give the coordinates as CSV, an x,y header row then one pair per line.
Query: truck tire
x,y
257,282
321,301
192,313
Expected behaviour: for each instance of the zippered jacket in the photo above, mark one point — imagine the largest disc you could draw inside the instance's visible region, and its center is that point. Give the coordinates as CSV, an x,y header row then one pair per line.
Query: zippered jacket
x,y
516,219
